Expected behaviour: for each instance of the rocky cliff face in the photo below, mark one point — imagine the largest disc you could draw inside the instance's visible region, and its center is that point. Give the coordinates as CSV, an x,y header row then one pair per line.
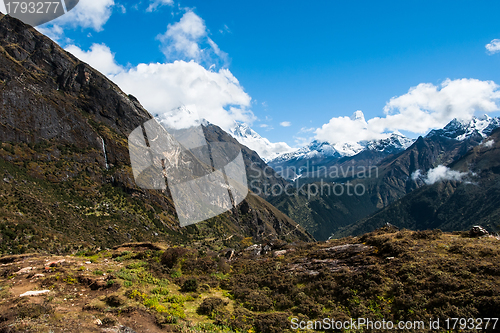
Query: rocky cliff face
x,y
65,162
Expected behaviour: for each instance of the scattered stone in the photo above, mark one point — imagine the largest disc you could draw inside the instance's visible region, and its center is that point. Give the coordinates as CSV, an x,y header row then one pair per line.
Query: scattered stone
x,y
98,322
34,293
125,329
256,249
349,248
25,270
55,263
279,253
229,254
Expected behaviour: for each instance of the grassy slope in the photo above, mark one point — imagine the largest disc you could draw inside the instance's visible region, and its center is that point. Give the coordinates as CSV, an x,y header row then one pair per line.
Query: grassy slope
x,y
391,275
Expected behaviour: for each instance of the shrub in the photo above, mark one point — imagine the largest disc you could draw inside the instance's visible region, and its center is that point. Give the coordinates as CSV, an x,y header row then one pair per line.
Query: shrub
x,y
114,301
211,305
190,285
171,256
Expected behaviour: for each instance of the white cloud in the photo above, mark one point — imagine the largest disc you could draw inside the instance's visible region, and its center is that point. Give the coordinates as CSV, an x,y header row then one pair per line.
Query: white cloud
x,y
188,40
438,174
493,46
424,107
416,175
162,87
285,124
266,149
99,56
91,14
488,144
307,129
155,4
341,130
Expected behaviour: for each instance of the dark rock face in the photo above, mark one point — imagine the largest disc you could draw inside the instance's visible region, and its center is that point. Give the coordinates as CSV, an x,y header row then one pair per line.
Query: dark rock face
x,y
260,176
48,94
57,115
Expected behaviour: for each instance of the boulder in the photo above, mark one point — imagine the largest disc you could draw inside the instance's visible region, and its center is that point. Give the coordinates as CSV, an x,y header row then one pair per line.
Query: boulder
x,y
478,231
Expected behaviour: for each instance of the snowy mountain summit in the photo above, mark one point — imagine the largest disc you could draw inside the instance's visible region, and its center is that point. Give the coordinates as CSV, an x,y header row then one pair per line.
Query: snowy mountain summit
x,y
477,127
316,149
266,149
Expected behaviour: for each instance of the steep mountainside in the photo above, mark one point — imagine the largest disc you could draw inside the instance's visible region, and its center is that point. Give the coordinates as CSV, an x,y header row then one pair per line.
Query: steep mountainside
x,y
450,204
65,167
259,174
389,181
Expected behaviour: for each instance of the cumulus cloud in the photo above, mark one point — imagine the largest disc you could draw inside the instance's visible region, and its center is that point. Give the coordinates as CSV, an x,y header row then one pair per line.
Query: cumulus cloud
x,y
99,56
493,46
155,4
285,124
439,174
266,149
188,40
215,95
341,130
91,14
163,88
424,107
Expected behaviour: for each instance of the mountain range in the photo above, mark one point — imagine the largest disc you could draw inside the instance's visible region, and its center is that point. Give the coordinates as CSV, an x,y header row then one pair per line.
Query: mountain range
x,y
326,213
464,195
84,249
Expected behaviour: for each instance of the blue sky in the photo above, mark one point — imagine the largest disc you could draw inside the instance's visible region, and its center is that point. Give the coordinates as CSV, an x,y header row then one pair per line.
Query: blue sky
x,y
309,64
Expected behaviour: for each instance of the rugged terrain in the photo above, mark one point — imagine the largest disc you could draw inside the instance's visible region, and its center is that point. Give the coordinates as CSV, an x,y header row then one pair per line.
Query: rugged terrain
x,y
387,274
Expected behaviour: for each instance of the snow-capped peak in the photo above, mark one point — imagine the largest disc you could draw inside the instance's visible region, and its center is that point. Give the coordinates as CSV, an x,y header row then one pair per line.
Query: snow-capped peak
x,y
396,142
358,115
465,129
317,149
266,149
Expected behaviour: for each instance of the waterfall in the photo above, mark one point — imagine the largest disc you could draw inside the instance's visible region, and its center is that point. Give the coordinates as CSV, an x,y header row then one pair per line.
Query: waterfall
x,y
104,151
